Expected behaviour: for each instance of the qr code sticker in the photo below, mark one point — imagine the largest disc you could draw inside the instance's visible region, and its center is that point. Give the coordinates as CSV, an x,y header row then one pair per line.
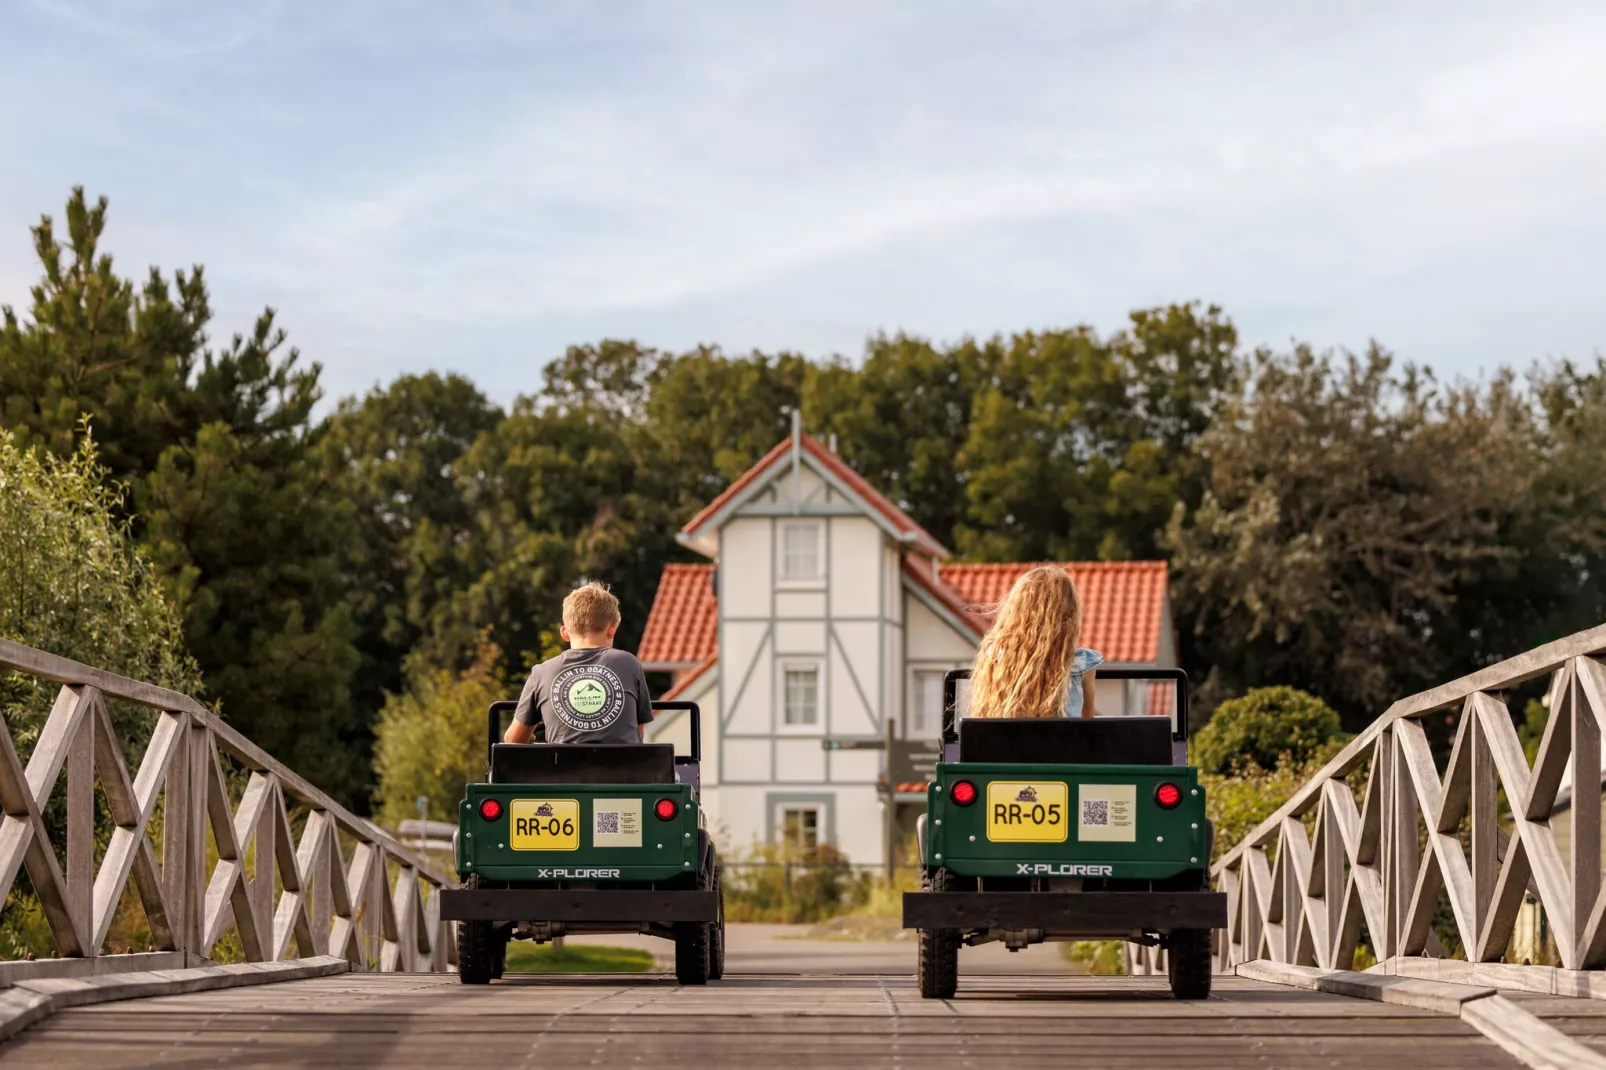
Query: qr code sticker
x,y
608,822
1096,812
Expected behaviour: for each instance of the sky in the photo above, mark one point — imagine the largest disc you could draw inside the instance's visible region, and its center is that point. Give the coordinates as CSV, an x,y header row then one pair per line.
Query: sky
x,y
473,187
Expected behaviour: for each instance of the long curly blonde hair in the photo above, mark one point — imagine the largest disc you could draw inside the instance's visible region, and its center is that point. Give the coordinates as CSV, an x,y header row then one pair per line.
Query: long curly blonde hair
x,y
1024,663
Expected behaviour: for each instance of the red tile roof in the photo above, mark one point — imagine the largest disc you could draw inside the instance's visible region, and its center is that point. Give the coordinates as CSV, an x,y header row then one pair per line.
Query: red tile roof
x,y
1123,601
1124,607
682,628
900,520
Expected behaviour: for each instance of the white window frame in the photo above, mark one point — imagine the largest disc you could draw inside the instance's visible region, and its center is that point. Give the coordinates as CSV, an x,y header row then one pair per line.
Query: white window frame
x,y
817,726
785,808
912,731
784,577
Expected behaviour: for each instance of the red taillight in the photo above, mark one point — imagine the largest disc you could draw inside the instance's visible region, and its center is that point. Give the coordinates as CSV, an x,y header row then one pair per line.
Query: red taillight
x,y
666,809
490,809
963,792
1167,795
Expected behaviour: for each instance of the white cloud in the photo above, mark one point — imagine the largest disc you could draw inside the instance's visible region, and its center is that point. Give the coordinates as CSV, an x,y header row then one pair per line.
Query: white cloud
x,y
421,185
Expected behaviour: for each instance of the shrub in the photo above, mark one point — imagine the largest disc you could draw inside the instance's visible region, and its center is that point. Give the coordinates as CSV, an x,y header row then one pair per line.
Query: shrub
x,y
772,884
1262,726
430,740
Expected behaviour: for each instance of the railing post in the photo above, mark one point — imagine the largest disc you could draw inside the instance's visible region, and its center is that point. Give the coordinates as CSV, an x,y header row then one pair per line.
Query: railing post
x,y
1585,808
81,829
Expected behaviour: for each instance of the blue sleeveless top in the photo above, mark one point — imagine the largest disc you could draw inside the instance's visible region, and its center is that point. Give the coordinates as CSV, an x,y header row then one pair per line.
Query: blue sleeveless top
x,y
1084,660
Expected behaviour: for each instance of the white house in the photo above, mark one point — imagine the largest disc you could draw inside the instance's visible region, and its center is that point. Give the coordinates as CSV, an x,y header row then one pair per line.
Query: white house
x,y
816,640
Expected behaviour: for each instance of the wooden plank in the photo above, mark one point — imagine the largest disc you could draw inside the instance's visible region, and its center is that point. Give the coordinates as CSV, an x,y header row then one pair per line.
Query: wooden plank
x,y
1495,935
1539,842
1528,1039
1589,900
24,842
1457,778
1555,748
130,804
80,760
56,740
1455,875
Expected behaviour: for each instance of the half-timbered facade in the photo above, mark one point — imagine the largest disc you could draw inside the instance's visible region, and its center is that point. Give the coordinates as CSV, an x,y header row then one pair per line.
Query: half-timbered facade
x,y
815,641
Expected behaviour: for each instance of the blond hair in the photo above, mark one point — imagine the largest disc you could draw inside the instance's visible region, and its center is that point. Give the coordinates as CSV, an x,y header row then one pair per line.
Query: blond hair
x,y
1024,662
590,609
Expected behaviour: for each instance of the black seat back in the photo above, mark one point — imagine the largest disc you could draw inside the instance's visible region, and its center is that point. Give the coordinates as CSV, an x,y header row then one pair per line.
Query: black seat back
x,y
583,763
1069,740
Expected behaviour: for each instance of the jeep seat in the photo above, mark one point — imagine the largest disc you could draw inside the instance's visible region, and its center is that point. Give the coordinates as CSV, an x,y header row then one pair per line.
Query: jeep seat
x,y
1066,740
583,763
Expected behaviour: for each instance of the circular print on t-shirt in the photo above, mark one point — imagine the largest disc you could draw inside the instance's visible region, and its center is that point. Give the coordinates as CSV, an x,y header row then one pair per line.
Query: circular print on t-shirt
x,y
588,698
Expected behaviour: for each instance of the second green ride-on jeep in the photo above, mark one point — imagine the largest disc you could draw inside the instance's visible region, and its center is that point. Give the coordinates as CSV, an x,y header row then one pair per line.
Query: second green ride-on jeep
x,y
1066,829
567,838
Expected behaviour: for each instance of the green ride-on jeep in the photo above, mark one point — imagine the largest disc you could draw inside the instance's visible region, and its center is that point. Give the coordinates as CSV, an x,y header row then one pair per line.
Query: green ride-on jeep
x,y
1067,829
568,838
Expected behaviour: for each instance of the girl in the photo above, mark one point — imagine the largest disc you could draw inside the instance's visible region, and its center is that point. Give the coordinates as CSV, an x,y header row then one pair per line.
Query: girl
x,y
1029,665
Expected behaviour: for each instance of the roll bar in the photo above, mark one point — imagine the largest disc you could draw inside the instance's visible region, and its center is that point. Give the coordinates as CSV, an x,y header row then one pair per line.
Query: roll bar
x,y
1179,732
493,718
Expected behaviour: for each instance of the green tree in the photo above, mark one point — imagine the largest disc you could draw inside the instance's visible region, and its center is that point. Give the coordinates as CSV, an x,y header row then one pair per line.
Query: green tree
x,y
1261,727
1353,512
431,738
1079,447
395,456
73,582
902,419
216,448
96,346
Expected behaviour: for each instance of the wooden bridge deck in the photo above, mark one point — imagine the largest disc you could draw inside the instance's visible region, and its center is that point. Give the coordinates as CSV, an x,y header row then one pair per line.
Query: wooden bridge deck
x,y
848,1021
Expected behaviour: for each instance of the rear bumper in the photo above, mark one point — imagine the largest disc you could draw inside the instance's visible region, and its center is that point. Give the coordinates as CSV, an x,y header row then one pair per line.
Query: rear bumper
x,y
600,905
1083,913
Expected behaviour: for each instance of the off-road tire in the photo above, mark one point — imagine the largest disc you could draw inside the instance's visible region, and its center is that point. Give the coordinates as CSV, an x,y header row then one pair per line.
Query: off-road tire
x,y
476,952
691,952
1188,963
939,948
693,943
716,936
502,940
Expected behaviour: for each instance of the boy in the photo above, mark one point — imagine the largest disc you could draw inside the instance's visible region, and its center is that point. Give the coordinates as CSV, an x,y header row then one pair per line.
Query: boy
x,y
590,693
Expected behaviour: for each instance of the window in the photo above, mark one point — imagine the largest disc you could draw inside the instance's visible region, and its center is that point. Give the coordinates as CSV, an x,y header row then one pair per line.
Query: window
x,y
800,828
925,710
800,550
801,700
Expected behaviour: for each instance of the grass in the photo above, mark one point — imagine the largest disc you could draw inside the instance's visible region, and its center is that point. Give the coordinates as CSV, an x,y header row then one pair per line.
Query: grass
x,y
525,957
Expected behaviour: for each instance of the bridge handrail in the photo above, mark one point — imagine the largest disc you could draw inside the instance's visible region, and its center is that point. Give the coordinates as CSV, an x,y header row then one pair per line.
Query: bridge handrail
x,y
1373,863
363,914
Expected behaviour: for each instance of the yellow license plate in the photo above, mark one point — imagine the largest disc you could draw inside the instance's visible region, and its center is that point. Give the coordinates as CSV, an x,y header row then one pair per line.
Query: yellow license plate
x,y
545,824
1027,811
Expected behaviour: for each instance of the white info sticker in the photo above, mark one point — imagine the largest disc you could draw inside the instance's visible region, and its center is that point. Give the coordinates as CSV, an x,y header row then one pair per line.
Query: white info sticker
x,y
1107,812
616,823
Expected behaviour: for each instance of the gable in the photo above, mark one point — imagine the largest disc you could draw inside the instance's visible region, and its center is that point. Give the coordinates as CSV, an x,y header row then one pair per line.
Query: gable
x,y
800,476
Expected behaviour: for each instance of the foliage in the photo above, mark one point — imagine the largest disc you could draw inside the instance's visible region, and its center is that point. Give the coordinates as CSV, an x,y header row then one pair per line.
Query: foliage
x,y
526,957
431,738
1261,726
1101,958
1079,447
73,582
394,456
215,445
1531,732
1237,802
769,883
1353,514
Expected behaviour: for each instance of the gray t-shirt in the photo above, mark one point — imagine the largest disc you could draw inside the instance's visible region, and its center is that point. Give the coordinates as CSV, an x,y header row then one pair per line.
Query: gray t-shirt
x,y
597,695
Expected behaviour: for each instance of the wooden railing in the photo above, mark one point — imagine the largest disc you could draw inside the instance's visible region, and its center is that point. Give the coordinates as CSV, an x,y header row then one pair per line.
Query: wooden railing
x,y
1386,858
343,887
